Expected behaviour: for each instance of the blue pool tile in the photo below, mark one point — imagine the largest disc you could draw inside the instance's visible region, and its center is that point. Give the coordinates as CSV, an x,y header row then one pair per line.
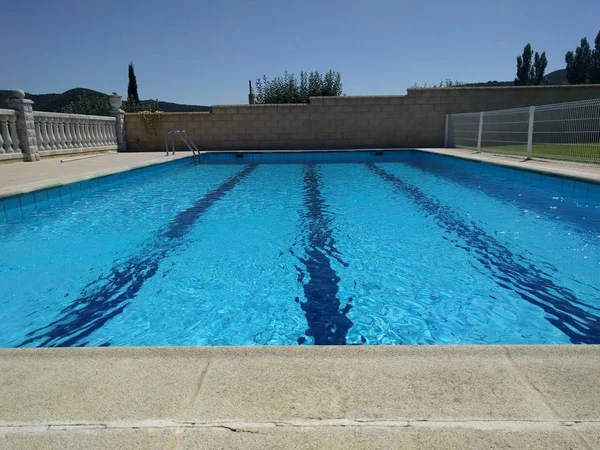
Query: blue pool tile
x,y
27,200
2,209
85,186
76,190
12,203
110,180
12,207
53,193
101,181
41,197
580,185
65,191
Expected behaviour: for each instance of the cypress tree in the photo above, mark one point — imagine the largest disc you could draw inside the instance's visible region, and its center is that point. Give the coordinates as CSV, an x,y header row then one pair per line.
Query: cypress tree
x,y
132,89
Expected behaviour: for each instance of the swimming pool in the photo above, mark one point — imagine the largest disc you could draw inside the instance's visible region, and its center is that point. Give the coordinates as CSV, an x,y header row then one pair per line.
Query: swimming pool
x,y
403,247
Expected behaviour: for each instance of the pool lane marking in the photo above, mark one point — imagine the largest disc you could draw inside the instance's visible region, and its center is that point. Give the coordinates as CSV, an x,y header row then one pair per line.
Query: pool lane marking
x,y
510,271
108,295
327,323
567,212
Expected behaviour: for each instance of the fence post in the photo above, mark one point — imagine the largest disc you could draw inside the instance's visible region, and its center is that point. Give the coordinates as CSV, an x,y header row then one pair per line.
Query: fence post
x,y
530,132
480,131
446,131
25,125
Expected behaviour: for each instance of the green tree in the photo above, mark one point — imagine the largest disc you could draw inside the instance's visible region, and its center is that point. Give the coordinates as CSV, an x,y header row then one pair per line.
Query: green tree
x,y
132,88
539,67
595,61
88,105
530,67
579,64
287,89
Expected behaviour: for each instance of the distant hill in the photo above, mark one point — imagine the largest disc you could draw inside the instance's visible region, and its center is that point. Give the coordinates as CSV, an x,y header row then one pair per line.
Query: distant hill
x,y
557,77
553,78
58,102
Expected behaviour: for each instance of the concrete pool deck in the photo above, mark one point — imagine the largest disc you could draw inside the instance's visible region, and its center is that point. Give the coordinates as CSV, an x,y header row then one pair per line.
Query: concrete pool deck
x,y
20,177
353,397
23,177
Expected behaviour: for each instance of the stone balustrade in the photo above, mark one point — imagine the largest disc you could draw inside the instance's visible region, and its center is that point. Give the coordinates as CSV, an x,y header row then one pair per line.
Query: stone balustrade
x,y
72,133
30,135
9,137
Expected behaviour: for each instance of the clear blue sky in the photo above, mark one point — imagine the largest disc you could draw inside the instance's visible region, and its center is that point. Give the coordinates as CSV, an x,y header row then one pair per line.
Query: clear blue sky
x,y
204,52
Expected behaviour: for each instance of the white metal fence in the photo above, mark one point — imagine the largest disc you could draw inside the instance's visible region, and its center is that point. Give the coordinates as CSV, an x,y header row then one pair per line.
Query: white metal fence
x,y
569,131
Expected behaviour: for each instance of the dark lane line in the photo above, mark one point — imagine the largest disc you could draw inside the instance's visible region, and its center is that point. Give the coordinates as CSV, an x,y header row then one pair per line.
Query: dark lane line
x,y
530,196
508,270
327,324
106,297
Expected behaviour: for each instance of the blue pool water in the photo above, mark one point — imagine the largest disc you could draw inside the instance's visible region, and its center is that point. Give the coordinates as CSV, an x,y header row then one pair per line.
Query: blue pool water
x,y
403,248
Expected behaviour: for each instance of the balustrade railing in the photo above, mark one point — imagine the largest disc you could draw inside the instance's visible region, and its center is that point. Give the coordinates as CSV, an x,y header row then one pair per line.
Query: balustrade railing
x,y
9,138
63,133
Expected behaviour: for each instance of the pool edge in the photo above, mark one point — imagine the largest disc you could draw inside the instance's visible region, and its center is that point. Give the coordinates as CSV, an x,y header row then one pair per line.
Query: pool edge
x,y
515,391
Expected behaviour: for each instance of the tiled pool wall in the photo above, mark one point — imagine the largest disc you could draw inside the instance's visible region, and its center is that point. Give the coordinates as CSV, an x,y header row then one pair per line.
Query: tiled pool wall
x,y
359,156
16,205
19,204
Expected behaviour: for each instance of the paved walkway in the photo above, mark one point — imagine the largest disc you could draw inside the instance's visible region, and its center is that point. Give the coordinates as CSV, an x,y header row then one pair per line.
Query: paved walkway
x,y
22,177
354,397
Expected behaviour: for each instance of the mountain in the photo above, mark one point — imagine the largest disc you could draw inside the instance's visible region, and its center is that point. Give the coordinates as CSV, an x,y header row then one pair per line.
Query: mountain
x,y
60,102
557,77
553,78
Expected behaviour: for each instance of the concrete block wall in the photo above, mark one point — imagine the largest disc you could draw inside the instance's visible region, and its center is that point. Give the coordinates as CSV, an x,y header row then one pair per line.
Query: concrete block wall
x,y
412,120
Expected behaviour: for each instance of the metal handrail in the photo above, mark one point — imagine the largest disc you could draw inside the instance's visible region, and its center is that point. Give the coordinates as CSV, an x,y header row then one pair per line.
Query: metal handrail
x,y
184,137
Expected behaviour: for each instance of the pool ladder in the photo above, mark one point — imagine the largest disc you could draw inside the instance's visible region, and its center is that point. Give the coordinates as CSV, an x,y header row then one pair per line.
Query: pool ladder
x,y
184,137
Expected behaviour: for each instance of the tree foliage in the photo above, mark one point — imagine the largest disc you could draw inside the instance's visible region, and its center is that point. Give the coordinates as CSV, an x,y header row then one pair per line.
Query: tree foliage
x,y
595,61
530,67
288,89
88,105
143,105
132,88
583,66
447,83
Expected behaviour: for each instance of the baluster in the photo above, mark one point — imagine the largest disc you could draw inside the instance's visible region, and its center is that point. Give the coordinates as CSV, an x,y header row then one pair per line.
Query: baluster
x,y
106,128
5,133
113,133
69,138
45,135
56,130
62,138
79,136
88,133
84,136
105,131
12,120
102,135
1,140
95,133
51,137
38,132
